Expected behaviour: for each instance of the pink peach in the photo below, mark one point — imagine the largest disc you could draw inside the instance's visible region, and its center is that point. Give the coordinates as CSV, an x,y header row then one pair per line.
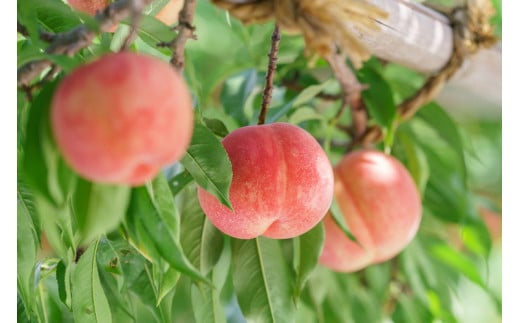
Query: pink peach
x,y
282,183
122,117
381,206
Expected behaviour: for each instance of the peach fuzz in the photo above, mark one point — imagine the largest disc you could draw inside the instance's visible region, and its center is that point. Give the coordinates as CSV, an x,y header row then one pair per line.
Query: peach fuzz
x,y
121,118
282,183
381,206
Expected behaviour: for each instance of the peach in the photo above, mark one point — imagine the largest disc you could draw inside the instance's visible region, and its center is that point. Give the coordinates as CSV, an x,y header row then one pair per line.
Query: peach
x,y
88,6
122,117
381,206
282,183
169,14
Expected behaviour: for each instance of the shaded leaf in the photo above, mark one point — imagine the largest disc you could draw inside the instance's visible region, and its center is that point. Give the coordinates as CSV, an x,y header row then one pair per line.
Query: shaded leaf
x,y
206,303
99,208
151,235
179,181
378,97
339,219
235,93
262,280
202,242
308,249
165,280
437,118
216,126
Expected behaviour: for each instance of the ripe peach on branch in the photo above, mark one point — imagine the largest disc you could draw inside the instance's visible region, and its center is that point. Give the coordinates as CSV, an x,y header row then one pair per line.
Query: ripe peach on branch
x,y
122,117
282,183
381,206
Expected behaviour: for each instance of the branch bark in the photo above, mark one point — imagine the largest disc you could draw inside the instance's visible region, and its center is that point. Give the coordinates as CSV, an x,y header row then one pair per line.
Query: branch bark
x,y
271,68
186,31
70,42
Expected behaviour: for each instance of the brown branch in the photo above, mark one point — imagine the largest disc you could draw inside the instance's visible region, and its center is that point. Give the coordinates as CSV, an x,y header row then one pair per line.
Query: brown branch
x,y
351,96
70,42
271,68
471,32
186,31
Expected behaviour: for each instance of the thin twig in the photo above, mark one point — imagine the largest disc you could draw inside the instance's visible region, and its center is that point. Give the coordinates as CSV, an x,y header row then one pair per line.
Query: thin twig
x,y
70,42
351,96
135,17
186,31
271,68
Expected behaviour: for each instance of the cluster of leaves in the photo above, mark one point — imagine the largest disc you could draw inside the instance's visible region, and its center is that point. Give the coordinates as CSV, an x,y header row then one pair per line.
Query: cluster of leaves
x,y
89,252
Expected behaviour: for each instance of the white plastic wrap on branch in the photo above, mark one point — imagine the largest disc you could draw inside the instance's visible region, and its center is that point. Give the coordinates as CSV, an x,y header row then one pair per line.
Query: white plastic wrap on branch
x,y
412,35
420,38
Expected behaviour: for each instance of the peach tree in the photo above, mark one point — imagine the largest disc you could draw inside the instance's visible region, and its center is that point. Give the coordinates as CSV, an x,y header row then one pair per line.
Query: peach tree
x,y
240,164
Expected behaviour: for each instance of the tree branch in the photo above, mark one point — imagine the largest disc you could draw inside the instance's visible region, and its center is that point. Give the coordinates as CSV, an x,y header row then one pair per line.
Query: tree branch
x,y
271,68
186,31
70,42
351,96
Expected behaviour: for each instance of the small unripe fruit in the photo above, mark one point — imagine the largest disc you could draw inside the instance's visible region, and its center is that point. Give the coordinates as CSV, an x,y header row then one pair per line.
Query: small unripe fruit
x,y
282,183
381,206
121,118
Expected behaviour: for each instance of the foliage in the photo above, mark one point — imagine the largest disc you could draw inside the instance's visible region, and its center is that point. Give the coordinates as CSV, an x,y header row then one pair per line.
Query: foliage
x,y
163,261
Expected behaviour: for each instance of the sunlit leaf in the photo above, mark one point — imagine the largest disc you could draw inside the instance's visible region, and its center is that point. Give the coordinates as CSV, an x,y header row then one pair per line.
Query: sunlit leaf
x,y
89,302
208,163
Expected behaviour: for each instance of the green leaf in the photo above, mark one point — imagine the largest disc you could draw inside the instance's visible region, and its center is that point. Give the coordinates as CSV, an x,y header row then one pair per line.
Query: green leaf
x,y
339,219
164,280
208,163
27,244
216,126
262,280
28,52
437,118
378,97
99,208
310,93
206,304
153,31
34,164
202,242
416,161
457,261
89,302
153,8
179,182
151,234
236,92
163,199
307,94
304,114
308,249
65,62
